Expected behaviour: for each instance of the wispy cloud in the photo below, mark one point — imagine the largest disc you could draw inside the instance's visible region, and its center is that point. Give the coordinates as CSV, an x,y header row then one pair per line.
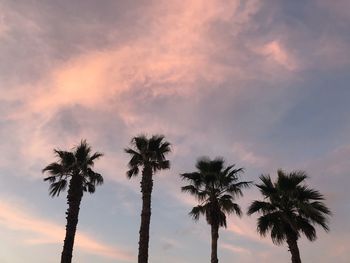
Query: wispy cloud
x,y
278,54
247,156
16,218
235,249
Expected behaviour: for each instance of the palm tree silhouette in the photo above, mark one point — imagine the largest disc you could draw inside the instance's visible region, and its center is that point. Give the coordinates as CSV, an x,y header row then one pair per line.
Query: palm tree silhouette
x,y
150,155
215,187
73,168
289,210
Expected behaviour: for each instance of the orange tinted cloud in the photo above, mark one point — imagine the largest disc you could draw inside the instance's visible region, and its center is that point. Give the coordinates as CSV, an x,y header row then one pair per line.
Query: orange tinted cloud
x,y
247,228
277,53
247,156
235,249
43,231
168,61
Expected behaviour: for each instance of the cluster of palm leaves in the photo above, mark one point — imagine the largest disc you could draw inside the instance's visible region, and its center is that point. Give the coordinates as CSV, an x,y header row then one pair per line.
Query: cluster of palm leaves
x,y
289,208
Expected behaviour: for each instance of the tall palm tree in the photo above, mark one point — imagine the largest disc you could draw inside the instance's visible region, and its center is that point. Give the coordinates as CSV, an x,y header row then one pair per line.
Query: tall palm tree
x,y
150,155
215,187
290,209
73,168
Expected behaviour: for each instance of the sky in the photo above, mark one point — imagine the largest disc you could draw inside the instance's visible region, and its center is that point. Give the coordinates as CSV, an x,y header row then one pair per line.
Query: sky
x,y
264,84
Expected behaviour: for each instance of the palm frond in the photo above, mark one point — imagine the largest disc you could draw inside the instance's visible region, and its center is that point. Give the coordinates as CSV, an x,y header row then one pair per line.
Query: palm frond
x,y
140,142
95,156
291,209
132,172
197,211
57,187
266,188
55,169
261,207
215,186
73,164
305,226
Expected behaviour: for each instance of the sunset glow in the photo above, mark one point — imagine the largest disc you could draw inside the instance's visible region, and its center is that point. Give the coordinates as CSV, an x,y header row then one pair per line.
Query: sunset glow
x,y
264,84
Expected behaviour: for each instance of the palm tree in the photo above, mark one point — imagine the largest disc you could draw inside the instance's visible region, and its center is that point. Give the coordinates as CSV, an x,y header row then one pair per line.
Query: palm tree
x,y
290,209
215,187
73,168
150,155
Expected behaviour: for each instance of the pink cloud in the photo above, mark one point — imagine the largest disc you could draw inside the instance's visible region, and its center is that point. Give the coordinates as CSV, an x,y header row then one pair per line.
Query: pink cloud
x,y
166,62
278,54
247,228
235,249
248,156
14,217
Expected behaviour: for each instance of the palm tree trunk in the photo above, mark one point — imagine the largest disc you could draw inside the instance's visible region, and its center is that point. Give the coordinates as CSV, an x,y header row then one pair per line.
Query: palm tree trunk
x,y
293,248
75,194
146,190
214,243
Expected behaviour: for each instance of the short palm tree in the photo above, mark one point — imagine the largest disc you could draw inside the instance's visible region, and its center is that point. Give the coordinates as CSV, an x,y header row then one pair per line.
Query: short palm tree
x,y
290,209
73,168
215,187
148,153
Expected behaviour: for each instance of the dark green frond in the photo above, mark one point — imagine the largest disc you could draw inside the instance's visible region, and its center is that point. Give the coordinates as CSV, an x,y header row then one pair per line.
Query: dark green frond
x,y
266,188
305,193
148,152
95,156
72,164
197,211
203,164
278,233
236,188
94,178
265,223
201,195
192,177
57,187
136,160
54,169
132,172
90,187
290,181
305,226
51,179
67,159
261,207
215,186
132,152
229,207
161,165
140,142
82,152
233,174
190,189
291,208
165,148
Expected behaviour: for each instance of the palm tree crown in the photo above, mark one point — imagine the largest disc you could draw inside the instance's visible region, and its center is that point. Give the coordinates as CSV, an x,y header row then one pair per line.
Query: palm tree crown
x,y
215,187
291,208
148,153
77,163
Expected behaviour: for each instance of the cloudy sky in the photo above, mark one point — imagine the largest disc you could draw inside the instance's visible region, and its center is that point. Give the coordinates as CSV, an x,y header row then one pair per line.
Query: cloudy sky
x,y
265,84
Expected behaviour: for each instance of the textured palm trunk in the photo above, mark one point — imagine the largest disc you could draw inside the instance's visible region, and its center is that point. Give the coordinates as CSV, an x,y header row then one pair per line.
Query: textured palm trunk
x,y
214,243
146,189
75,194
293,248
